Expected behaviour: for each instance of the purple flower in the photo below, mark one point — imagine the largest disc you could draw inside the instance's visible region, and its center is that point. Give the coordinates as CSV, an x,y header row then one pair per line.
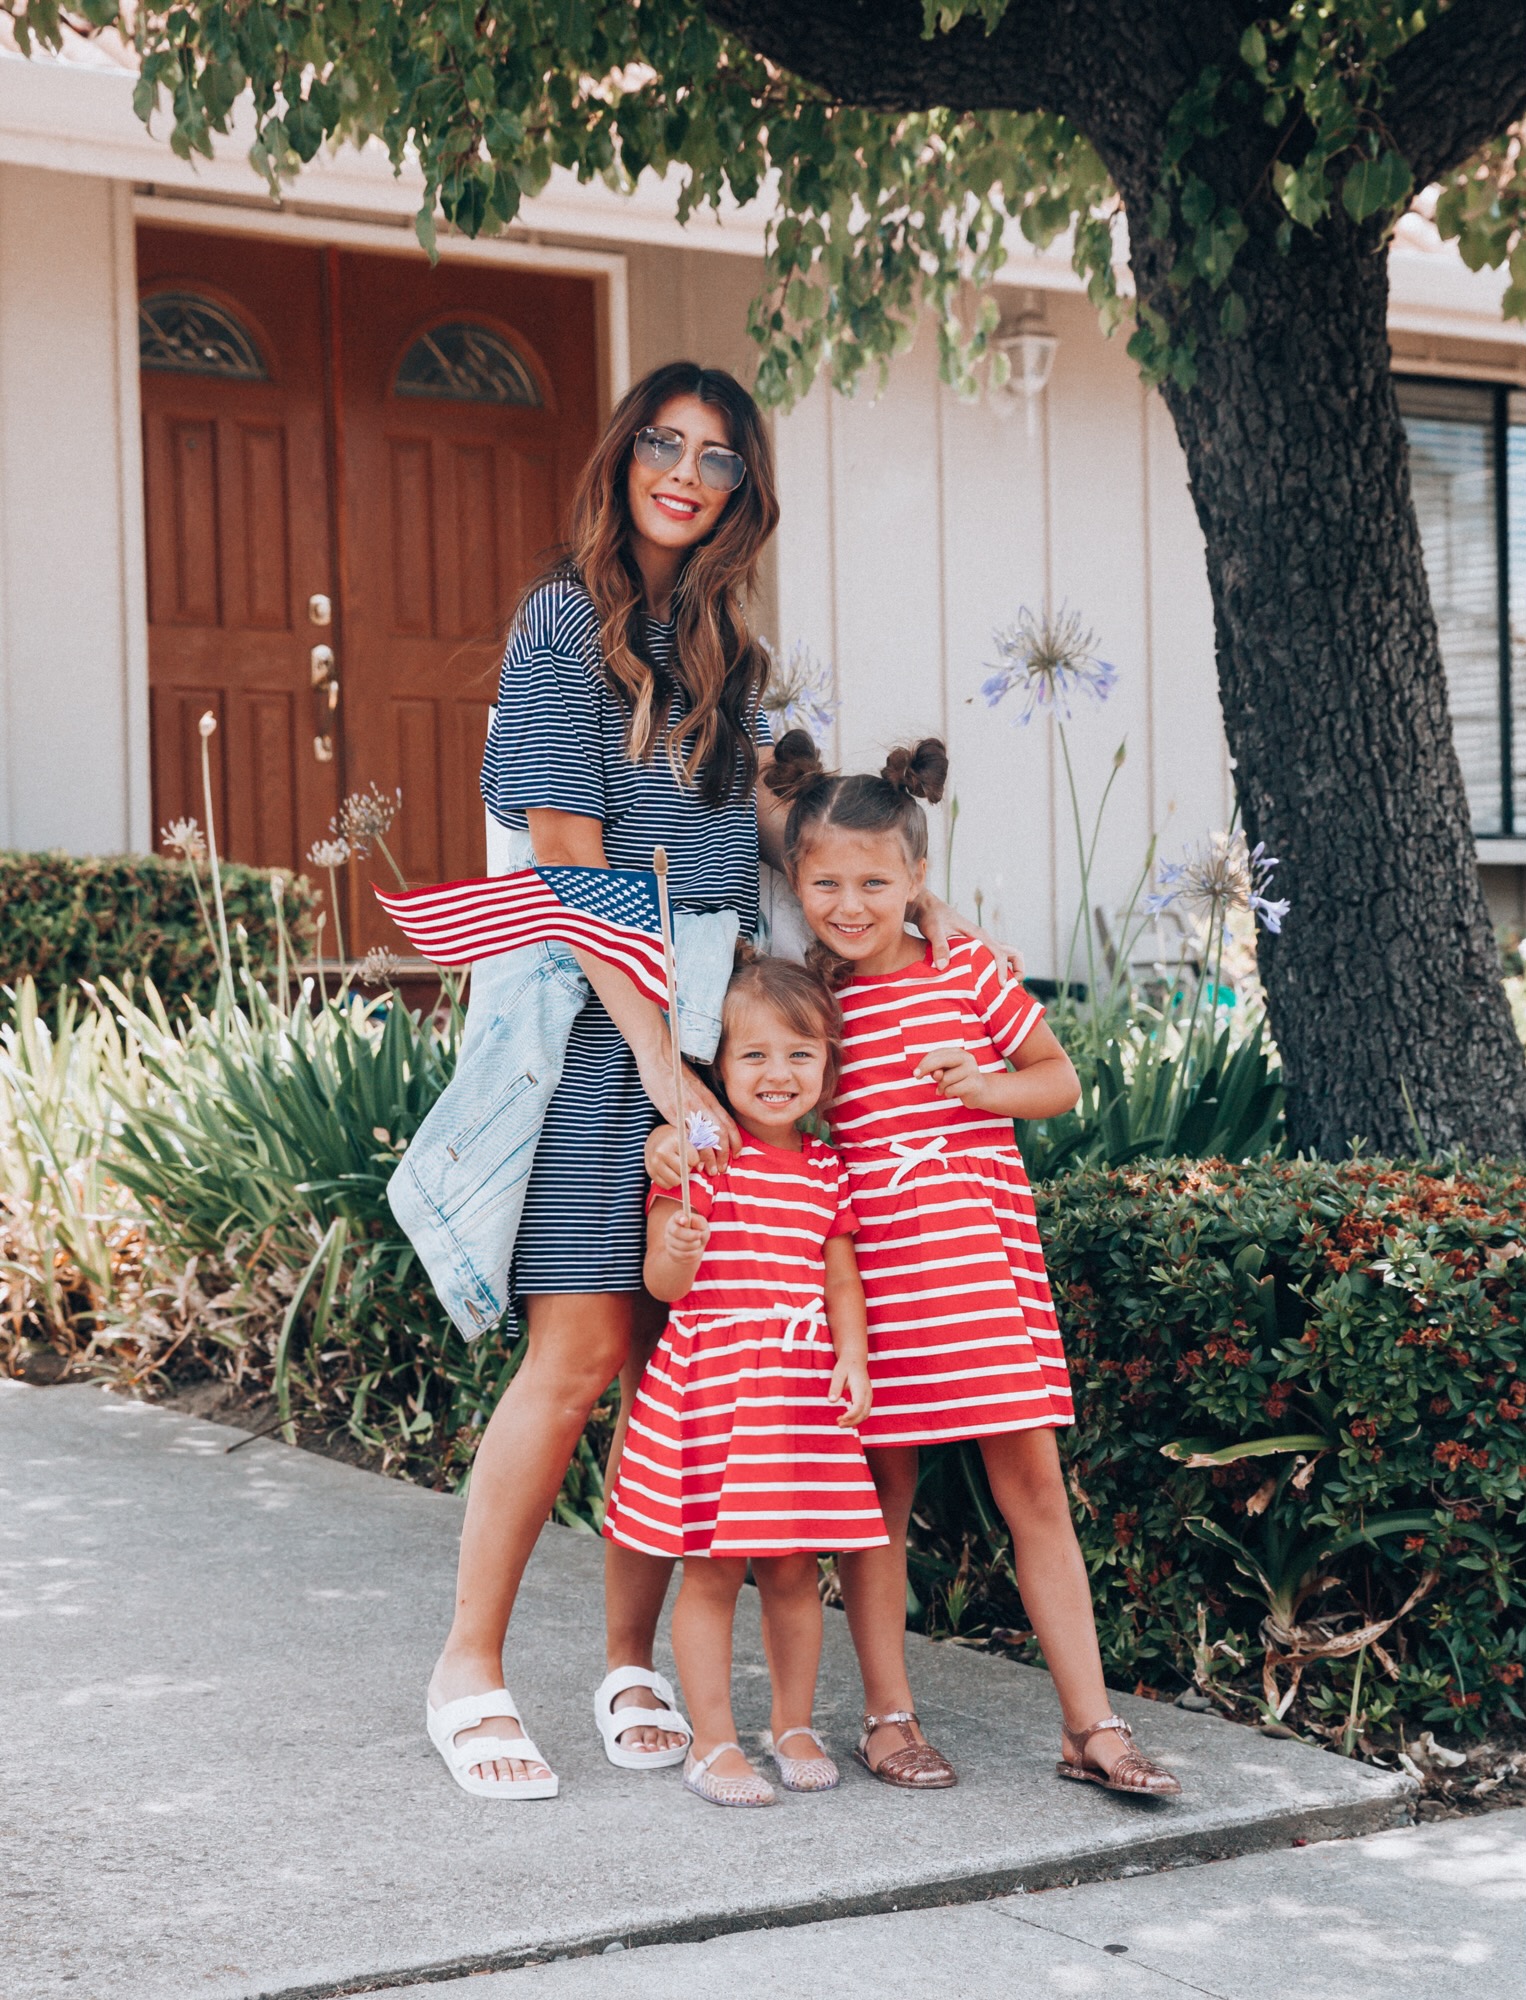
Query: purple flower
x,y
1047,661
1218,876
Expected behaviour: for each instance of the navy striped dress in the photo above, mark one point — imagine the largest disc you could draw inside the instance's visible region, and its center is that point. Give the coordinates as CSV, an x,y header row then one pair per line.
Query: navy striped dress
x,y
558,740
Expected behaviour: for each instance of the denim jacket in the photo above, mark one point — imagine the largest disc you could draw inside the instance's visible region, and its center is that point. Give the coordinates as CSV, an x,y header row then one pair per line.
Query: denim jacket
x,y
459,1191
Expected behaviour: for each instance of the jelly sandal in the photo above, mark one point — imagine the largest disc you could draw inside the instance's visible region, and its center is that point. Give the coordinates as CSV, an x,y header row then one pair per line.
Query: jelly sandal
x,y
803,1774
915,1767
753,1790
614,1722
1134,1772
445,1725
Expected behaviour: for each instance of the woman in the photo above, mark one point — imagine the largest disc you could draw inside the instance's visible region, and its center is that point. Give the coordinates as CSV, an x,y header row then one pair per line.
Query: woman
x,y
629,714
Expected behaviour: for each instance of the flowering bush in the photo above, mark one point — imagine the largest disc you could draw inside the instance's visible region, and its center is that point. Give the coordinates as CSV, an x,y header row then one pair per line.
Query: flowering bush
x,y
1300,1456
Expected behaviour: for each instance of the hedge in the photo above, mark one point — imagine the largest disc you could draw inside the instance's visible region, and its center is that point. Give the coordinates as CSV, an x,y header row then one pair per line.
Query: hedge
x,y
133,916
1301,1415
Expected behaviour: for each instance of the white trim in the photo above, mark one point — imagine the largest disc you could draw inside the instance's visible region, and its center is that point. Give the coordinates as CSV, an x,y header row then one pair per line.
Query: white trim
x,y
229,218
138,827
1501,853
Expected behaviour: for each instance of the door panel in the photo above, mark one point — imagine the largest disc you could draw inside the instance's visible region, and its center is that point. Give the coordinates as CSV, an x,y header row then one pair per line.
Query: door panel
x,y
446,497
453,504
238,533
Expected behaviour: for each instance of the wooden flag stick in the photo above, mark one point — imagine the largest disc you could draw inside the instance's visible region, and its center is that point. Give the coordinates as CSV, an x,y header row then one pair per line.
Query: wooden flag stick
x,y
670,966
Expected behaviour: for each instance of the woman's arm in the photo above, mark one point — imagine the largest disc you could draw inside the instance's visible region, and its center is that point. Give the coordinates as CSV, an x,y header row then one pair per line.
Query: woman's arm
x,y
772,814
848,1319
1041,1084
673,1250
569,840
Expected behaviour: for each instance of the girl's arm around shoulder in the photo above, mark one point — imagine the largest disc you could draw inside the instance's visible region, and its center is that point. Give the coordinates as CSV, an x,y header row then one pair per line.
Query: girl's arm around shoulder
x,y
1041,1082
673,1249
848,1319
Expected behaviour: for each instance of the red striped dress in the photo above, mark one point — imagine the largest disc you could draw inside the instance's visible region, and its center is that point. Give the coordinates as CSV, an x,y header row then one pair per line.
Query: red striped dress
x,y
963,1340
734,1448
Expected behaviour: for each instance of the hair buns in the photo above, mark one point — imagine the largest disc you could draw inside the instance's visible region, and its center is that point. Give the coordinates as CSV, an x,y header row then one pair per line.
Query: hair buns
x,y
920,770
796,766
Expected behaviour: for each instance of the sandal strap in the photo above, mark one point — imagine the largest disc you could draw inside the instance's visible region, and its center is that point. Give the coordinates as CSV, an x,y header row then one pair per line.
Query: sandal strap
x,y
913,1759
451,1717
803,1730
698,1766
1081,1737
902,1715
1135,1770
494,1750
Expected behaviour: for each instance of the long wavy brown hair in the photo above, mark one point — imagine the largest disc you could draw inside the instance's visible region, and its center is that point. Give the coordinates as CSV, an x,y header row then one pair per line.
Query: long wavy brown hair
x,y
717,660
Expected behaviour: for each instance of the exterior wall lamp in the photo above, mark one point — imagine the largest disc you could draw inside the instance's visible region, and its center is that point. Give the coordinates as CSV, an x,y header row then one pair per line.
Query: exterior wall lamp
x,y
1029,353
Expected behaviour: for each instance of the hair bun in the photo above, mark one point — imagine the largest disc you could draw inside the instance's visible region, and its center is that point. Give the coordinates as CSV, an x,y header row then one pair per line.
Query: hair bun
x,y
920,769
796,765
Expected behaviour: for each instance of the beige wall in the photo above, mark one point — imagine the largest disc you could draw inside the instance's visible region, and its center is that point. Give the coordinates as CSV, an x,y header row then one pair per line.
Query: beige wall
x,y
915,524
73,649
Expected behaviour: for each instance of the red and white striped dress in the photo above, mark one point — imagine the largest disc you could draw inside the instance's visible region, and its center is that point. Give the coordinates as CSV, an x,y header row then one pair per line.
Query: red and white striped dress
x,y
963,1340
734,1448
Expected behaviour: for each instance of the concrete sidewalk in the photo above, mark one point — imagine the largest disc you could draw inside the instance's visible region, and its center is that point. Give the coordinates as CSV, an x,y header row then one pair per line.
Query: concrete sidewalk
x,y
212,1672
1424,1914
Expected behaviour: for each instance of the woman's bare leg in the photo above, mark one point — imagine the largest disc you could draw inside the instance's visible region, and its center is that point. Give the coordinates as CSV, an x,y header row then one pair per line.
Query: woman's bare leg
x,y
703,1619
874,1596
635,1585
1028,1485
791,1599
578,1343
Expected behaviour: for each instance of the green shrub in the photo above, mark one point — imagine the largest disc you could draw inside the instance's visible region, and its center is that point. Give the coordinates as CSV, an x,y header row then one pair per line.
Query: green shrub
x,y
1301,1409
131,918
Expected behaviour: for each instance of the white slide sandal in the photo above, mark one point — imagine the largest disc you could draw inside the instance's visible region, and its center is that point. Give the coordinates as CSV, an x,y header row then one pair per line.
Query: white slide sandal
x,y
445,1725
613,1722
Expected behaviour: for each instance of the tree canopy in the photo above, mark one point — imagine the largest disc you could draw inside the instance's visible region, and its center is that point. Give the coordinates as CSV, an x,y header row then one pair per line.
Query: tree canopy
x,y
933,128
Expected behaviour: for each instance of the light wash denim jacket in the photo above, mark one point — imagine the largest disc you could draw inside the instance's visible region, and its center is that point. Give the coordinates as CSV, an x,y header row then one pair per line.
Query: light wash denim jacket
x,y
459,1191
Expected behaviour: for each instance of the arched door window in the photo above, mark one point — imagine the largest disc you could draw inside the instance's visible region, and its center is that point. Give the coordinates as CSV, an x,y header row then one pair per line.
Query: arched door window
x,y
463,362
182,333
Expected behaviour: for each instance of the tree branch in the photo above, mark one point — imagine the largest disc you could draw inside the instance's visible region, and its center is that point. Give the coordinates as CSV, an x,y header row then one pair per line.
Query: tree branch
x,y
872,52
1457,85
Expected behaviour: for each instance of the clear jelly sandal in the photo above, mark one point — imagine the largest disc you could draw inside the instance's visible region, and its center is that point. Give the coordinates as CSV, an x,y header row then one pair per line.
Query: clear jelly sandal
x,y
915,1767
804,1774
753,1790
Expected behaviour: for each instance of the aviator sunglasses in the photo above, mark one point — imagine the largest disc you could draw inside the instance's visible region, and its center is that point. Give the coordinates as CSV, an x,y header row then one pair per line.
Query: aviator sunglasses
x,y
661,449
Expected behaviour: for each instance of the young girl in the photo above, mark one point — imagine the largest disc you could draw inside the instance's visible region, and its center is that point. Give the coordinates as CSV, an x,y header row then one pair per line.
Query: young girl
x,y
740,1447
963,1337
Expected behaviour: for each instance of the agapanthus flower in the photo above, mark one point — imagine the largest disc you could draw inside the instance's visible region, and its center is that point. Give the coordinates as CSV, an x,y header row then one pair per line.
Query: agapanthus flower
x,y
378,967
1047,660
329,853
185,838
702,1130
1218,876
799,692
366,816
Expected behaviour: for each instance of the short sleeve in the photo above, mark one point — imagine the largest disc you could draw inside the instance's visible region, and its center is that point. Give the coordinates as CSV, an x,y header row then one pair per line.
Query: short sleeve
x,y
844,1221
545,748
1009,1011
761,730
701,1195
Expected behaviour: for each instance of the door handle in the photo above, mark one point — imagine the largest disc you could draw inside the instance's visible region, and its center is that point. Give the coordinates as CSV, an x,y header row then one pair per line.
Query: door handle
x,y
320,665
325,684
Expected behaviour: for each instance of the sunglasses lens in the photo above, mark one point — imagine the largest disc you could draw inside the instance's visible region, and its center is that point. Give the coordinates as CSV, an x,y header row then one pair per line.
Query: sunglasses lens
x,y
659,449
723,471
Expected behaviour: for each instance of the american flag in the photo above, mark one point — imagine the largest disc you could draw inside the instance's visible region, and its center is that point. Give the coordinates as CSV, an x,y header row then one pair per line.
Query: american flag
x,y
612,913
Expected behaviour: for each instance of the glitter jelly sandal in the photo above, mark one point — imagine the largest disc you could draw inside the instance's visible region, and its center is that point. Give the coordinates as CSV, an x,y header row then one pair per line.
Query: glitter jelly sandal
x,y
753,1790
915,1767
1134,1772
803,1774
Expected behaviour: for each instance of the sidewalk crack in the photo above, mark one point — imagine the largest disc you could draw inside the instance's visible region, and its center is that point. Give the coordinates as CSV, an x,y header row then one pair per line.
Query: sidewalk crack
x,y
1048,1930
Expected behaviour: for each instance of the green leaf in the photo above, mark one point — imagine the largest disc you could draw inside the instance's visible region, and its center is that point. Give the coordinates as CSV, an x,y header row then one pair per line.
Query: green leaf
x,y
1374,185
1253,48
1198,1453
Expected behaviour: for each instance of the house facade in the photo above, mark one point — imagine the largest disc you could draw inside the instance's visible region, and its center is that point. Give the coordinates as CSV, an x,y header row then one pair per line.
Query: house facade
x,y
262,458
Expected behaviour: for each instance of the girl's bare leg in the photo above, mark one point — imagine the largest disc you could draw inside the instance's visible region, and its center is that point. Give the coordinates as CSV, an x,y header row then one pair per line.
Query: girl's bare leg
x,y
702,1621
792,1644
1028,1485
635,1585
874,1597
578,1343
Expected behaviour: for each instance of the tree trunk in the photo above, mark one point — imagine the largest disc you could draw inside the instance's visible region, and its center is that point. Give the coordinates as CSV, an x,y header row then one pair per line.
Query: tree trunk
x,y
1384,988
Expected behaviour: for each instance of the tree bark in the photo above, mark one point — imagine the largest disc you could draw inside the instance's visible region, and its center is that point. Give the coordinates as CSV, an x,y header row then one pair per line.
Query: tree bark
x,y
1384,988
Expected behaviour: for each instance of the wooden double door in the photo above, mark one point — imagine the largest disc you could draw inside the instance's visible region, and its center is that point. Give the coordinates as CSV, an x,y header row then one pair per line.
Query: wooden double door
x,y
353,464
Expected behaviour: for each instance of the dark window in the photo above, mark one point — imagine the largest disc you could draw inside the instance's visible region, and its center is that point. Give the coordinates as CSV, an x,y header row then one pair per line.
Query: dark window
x,y
183,334
467,364
1467,455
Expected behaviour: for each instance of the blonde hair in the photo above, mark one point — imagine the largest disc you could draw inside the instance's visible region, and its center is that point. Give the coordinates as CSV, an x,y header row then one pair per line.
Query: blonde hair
x,y
717,660
797,994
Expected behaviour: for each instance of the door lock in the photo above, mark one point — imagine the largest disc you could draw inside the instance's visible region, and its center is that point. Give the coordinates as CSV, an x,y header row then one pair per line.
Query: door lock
x,y
319,609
